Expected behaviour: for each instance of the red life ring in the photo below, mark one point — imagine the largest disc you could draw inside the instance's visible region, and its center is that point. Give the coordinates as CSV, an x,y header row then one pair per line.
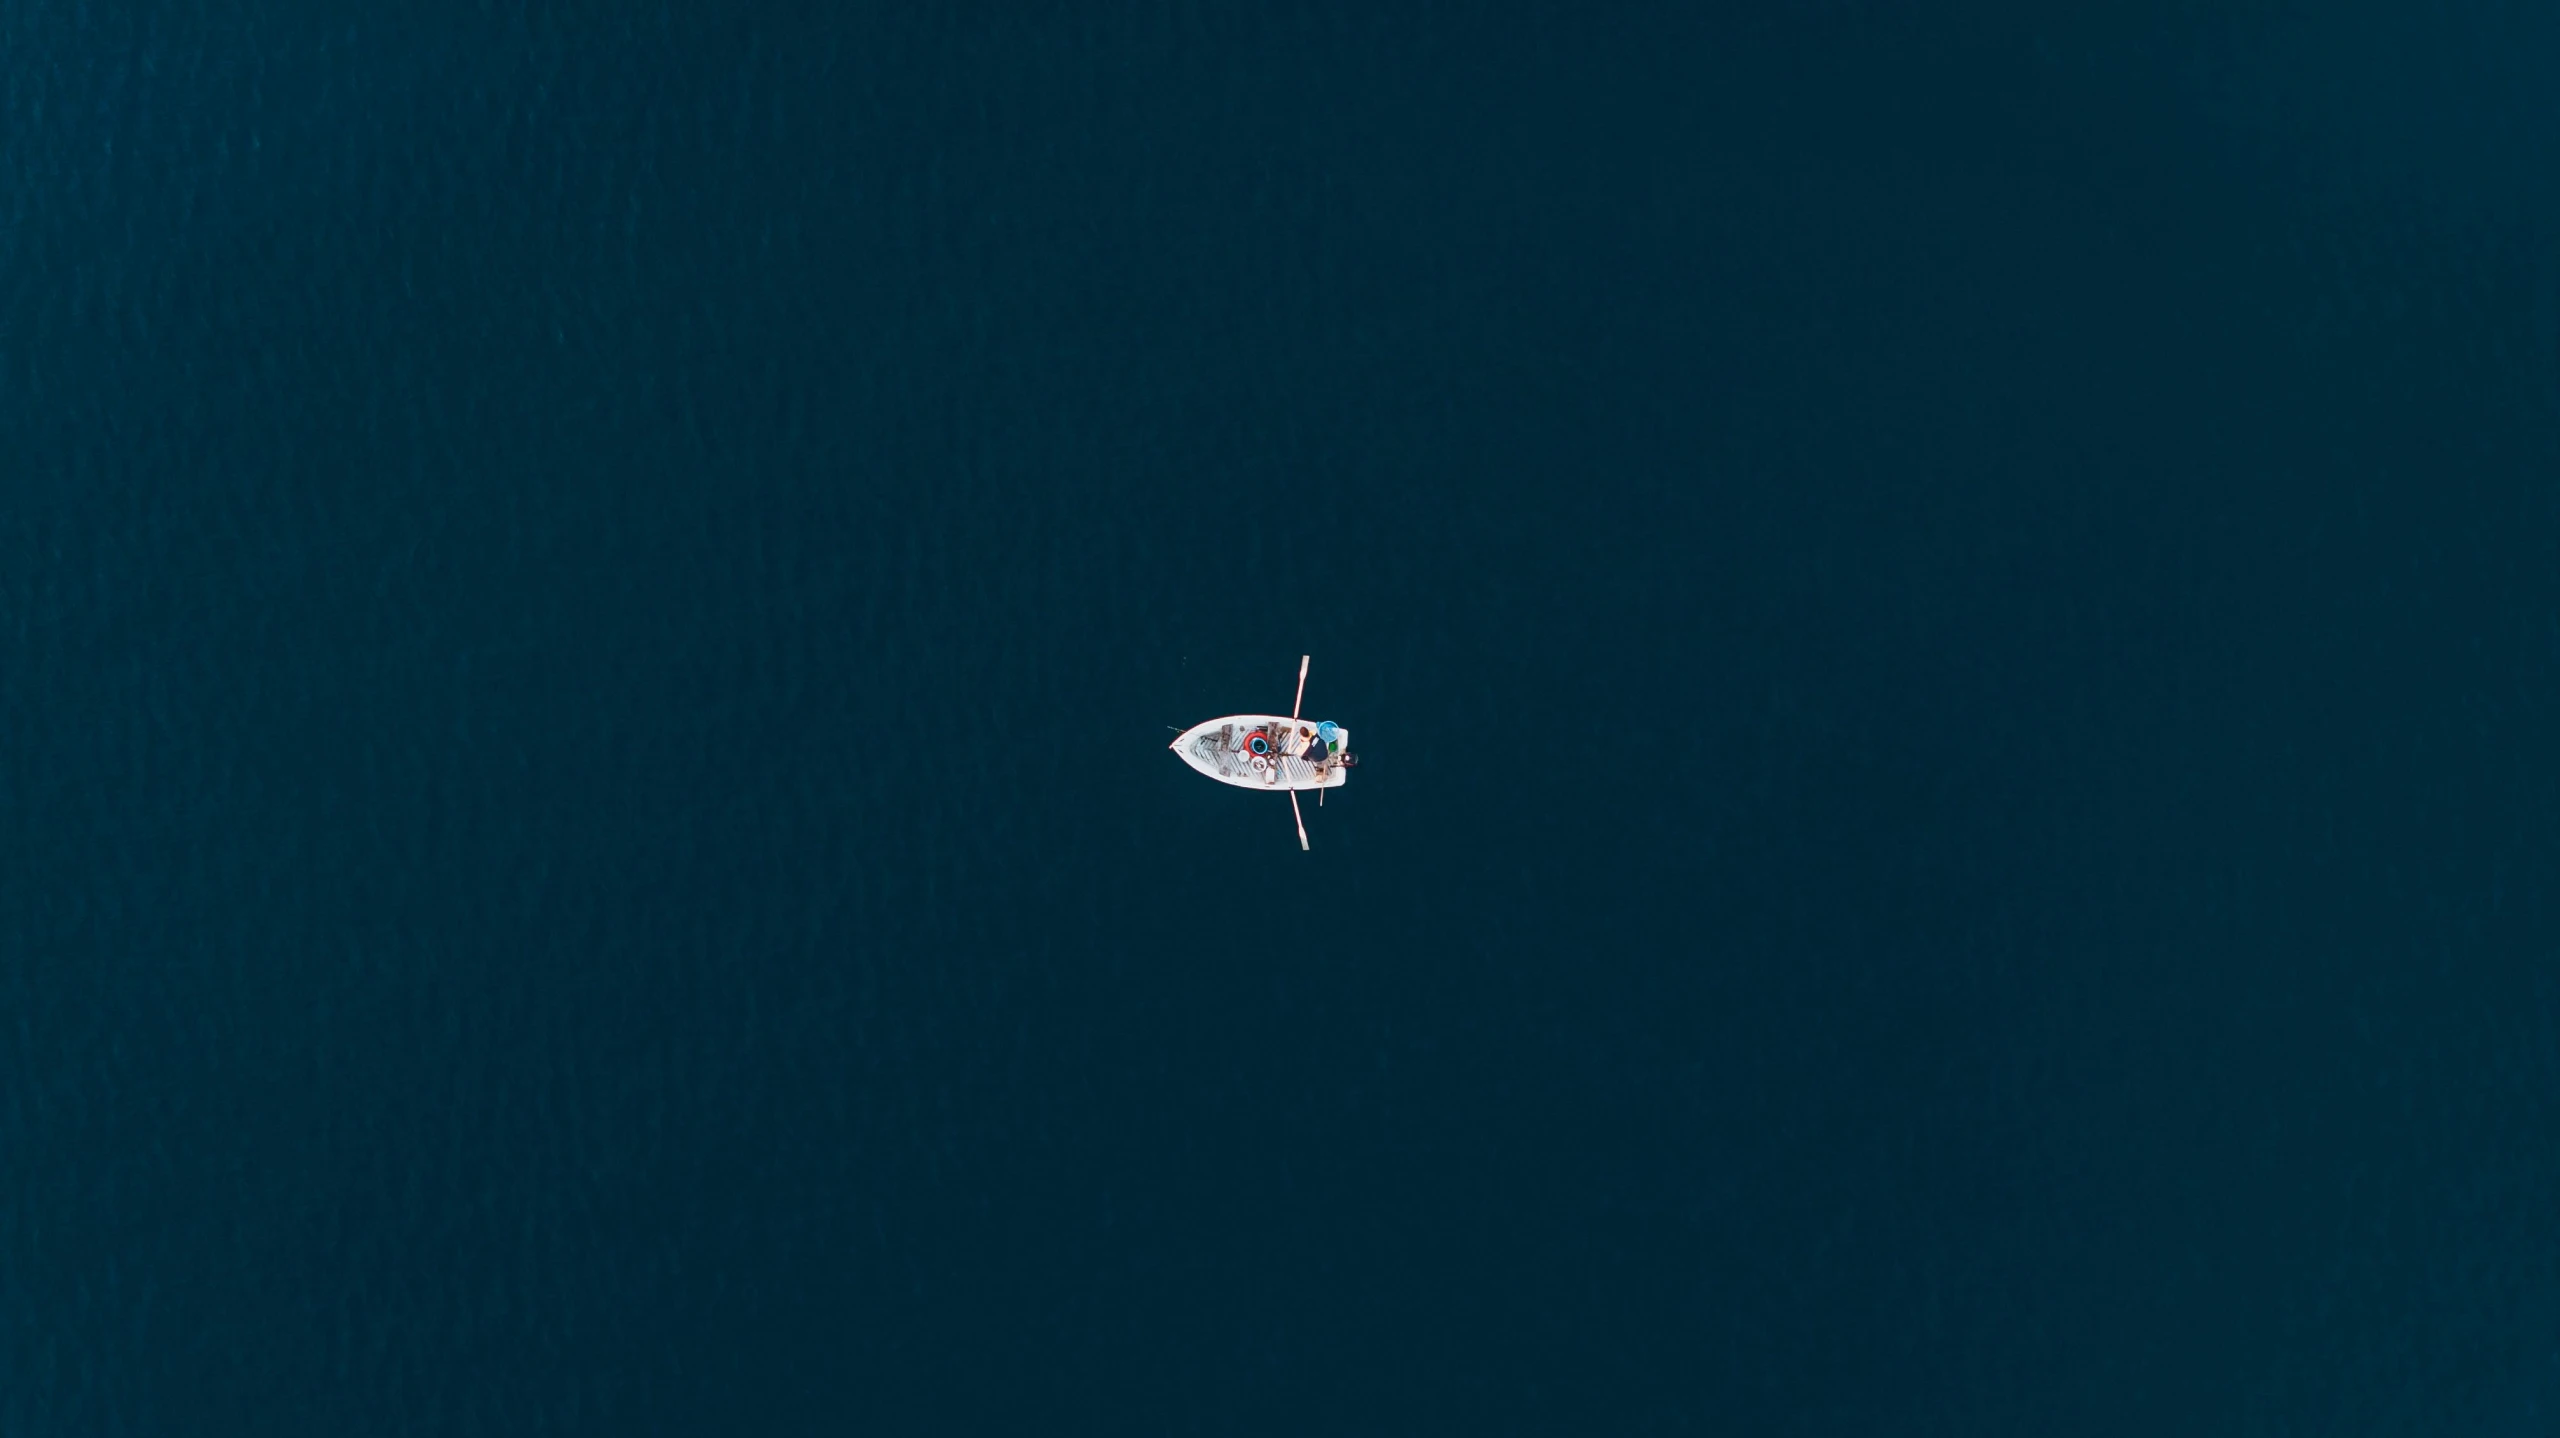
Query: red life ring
x,y
1258,743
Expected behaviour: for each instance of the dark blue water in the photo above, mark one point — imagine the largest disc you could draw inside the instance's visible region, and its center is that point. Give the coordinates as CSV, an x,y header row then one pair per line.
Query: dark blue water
x,y
1953,620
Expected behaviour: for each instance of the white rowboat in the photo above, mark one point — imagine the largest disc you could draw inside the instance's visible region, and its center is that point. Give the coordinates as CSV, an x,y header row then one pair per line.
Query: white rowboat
x,y
1268,751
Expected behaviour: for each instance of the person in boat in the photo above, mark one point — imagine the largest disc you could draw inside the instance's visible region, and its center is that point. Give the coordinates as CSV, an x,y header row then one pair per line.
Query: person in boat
x,y
1310,745
1325,751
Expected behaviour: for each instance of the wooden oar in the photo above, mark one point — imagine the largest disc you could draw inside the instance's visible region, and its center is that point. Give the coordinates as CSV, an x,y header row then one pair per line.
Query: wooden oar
x,y
1294,706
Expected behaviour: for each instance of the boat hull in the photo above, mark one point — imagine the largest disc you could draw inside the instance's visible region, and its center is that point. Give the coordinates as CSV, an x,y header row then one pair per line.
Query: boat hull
x,y
1222,749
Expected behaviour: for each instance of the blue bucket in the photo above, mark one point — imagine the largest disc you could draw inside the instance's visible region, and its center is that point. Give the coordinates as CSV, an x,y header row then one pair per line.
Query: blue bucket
x,y
1328,731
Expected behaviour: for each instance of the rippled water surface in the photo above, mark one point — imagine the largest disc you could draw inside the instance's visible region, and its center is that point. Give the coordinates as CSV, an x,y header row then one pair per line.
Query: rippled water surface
x,y
1952,623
